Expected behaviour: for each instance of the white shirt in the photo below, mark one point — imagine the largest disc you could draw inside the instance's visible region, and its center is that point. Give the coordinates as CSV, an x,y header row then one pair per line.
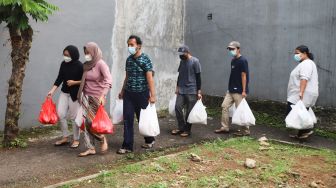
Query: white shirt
x,y
306,70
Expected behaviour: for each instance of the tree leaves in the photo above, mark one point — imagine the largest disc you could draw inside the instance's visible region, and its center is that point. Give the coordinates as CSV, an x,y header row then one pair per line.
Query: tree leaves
x,y
16,12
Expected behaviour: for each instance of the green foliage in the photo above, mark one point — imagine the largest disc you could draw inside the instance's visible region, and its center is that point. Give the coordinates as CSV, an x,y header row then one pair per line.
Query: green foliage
x,y
18,143
16,13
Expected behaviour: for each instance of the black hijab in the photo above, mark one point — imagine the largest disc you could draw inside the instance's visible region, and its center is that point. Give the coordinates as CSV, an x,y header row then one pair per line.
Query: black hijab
x,y
73,51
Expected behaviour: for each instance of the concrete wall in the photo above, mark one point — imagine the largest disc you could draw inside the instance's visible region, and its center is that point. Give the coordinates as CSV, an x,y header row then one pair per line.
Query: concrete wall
x,y
269,31
77,22
109,23
160,25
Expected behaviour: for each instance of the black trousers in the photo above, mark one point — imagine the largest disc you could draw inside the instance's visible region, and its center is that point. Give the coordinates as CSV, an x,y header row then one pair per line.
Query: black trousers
x,y
133,103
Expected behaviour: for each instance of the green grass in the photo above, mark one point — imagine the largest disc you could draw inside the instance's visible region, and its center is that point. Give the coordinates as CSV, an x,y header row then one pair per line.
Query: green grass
x,y
25,134
273,166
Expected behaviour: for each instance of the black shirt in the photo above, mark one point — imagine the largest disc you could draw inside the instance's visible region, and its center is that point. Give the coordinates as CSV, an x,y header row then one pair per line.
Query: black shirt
x,y
70,71
238,65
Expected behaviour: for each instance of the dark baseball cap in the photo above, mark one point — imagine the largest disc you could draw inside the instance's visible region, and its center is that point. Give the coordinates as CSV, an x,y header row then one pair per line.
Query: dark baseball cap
x,y
183,49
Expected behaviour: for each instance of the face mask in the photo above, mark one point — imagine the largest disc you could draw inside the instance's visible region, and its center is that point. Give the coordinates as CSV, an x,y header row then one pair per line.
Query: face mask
x,y
183,57
132,50
88,57
67,59
233,53
297,57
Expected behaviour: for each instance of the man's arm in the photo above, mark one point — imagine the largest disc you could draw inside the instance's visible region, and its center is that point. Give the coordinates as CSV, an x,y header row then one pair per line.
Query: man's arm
x,y
150,80
244,80
121,94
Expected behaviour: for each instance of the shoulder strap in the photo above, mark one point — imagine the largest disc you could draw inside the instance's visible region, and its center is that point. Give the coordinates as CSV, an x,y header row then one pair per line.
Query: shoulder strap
x,y
138,63
142,67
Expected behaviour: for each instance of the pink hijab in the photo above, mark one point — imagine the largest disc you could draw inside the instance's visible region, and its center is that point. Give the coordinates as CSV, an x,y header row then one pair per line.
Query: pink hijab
x,y
97,55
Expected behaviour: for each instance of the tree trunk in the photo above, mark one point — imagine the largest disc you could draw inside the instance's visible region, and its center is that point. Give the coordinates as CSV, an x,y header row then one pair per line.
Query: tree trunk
x,y
21,44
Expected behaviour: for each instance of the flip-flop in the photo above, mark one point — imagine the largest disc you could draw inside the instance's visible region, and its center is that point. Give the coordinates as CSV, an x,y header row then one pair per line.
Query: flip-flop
x,y
62,143
176,132
74,145
185,134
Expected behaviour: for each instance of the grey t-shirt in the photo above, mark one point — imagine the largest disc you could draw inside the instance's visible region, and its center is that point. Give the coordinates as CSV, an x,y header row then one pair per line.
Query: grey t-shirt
x,y
187,76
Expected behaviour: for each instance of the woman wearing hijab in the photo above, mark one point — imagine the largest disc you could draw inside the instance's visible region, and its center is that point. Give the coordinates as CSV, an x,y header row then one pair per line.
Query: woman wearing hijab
x,y
95,84
303,84
70,74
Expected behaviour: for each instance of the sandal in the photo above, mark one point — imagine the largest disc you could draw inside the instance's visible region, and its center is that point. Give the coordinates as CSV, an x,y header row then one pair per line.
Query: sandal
x,y
242,133
185,134
87,153
222,130
75,144
176,132
62,142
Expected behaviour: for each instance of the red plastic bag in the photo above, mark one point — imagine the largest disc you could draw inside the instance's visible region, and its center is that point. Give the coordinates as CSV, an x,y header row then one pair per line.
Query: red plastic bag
x,y
48,113
102,123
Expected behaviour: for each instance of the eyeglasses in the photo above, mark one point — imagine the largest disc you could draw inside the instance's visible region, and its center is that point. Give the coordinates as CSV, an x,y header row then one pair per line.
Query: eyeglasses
x,y
231,49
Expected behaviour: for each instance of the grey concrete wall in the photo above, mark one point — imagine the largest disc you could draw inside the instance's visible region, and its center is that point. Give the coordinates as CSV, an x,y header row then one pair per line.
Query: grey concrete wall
x,y
77,22
109,23
269,31
160,25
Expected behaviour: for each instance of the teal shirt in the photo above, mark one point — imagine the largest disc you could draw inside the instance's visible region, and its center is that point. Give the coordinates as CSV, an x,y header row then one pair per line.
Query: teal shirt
x,y
137,81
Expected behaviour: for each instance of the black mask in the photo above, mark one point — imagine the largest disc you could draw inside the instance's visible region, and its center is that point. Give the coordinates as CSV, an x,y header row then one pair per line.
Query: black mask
x,y
183,57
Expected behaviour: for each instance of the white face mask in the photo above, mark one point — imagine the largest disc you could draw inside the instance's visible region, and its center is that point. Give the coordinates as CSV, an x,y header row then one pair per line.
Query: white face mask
x,y
88,57
67,59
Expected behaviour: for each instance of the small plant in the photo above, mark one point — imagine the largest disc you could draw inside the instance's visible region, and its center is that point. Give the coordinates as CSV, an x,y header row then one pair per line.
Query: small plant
x,y
18,143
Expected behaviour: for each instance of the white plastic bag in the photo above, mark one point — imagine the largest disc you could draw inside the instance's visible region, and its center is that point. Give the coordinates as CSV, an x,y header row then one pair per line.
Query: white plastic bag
x,y
171,107
299,117
79,117
312,114
198,114
243,115
117,113
232,110
149,123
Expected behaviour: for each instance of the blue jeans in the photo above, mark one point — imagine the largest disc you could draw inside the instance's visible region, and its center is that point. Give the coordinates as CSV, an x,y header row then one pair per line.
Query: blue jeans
x,y
133,103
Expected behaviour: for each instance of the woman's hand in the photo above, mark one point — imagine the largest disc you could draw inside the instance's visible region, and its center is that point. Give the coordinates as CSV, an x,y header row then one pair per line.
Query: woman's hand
x,y
72,83
102,100
121,95
50,93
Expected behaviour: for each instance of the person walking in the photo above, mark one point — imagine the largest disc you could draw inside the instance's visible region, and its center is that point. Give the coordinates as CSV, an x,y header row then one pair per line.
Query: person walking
x,y
137,92
188,90
303,84
69,75
95,84
238,88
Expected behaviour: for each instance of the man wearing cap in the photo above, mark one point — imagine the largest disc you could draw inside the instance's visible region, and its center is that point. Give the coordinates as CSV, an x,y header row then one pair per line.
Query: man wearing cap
x,y
238,88
188,89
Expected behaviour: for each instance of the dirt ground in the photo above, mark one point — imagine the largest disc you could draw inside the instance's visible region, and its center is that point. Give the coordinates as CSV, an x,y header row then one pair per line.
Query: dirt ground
x,y
222,165
43,164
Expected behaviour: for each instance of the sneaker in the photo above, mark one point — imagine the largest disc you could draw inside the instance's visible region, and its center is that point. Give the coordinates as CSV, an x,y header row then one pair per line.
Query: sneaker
x,y
222,130
242,133
306,135
148,146
122,151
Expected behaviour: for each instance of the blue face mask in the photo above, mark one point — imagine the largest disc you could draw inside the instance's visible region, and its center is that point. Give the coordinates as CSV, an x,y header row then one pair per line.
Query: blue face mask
x,y
297,57
132,50
233,53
